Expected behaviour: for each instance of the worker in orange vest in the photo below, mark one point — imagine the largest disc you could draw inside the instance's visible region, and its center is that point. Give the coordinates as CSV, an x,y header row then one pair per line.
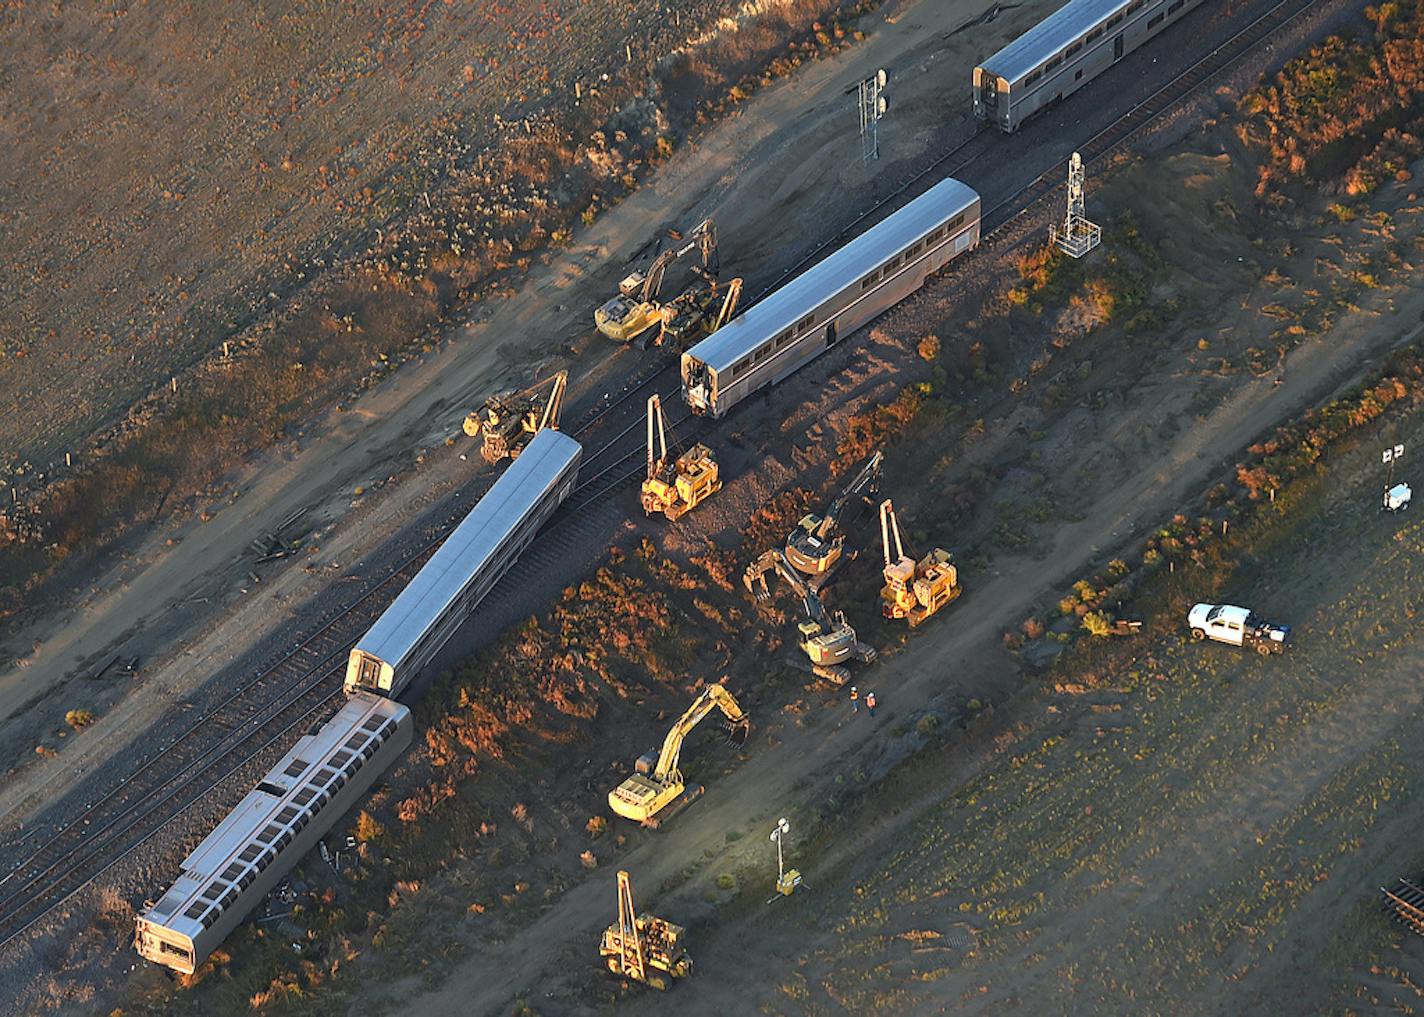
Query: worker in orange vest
x,y
870,703
854,700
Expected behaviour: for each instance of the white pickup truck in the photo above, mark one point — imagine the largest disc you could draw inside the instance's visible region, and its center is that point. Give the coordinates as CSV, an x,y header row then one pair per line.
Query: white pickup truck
x,y
1237,626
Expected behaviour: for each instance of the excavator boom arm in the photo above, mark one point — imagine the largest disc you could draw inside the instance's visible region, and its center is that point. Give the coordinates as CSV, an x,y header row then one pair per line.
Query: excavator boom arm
x,y
713,697
703,237
890,528
867,477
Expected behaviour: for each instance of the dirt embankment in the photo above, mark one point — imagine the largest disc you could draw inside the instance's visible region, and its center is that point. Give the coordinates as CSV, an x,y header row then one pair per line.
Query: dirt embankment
x,y
1027,453
291,212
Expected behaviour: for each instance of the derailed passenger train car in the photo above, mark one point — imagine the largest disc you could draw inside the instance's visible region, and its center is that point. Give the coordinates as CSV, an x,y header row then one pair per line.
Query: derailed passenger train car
x,y
812,312
1064,52
278,822
465,567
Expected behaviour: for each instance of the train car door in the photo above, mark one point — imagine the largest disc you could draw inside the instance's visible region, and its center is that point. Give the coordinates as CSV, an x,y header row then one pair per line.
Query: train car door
x,y
1117,47
831,337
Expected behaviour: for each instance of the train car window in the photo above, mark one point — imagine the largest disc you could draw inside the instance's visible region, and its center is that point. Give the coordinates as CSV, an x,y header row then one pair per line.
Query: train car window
x,y
275,790
912,250
305,795
806,322
935,234
1052,64
194,910
868,281
1155,20
249,853
269,833
1173,8
1073,49
1115,20
297,768
229,897
1134,7
232,872
957,221
892,264
210,918
287,815
247,878
340,759
213,892
167,947
1096,33
1032,78
371,724
354,742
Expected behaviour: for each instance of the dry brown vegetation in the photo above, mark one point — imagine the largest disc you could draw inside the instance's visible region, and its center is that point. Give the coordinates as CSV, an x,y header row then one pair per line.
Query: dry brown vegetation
x,y
1347,114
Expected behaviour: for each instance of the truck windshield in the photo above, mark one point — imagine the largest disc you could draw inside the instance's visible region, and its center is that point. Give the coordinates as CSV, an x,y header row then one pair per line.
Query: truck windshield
x,y
1214,613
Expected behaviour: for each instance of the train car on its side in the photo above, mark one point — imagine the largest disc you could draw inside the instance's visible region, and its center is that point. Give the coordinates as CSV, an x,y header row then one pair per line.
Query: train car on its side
x,y
1064,52
812,312
465,567
278,822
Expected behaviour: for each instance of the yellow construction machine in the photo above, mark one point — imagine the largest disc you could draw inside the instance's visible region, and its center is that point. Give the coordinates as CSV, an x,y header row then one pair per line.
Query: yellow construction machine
x,y
675,487
656,783
636,309
816,546
689,317
828,641
914,589
509,420
642,947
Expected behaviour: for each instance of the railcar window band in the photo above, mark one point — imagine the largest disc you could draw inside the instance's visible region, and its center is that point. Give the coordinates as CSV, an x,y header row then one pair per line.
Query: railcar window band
x,y
1155,20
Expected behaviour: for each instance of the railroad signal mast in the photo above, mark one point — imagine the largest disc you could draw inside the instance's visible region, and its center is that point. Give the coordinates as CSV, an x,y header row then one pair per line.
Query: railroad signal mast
x,y
1075,236
872,107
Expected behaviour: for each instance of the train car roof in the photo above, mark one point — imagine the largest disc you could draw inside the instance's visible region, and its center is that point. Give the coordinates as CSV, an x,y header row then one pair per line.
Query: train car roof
x,y
260,807
1051,36
444,576
791,301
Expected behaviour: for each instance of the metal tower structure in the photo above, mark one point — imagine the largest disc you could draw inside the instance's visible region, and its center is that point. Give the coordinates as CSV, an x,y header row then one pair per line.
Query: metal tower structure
x,y
1076,236
872,107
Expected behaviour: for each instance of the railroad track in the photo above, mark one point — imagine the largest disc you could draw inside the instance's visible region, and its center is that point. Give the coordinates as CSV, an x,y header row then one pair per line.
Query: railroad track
x,y
261,713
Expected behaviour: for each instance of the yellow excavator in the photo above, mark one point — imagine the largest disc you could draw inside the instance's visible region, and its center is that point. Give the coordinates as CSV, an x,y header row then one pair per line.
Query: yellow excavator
x,y
688,318
509,420
636,309
828,641
913,589
816,546
675,487
656,784
643,948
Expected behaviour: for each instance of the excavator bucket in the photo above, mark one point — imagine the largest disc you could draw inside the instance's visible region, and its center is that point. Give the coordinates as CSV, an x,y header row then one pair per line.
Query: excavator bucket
x,y
738,731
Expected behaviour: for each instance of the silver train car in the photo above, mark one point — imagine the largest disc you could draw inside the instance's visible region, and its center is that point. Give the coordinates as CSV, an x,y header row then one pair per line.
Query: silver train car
x,y
465,567
830,300
274,826
1064,52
